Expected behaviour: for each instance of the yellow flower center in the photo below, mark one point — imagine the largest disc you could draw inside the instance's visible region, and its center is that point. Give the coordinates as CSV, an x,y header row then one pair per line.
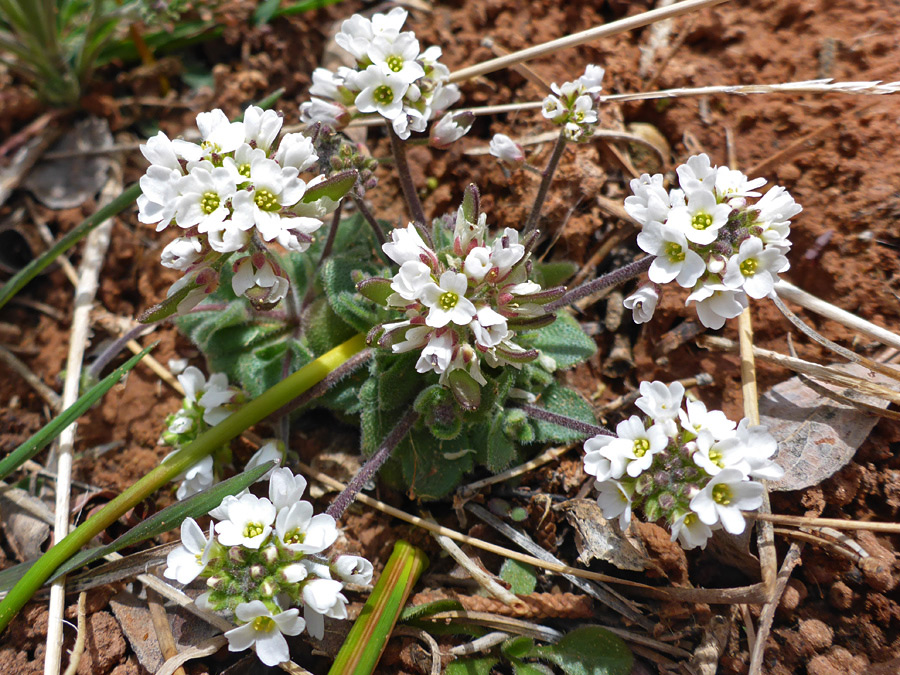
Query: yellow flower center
x,y
383,94
448,300
266,200
749,267
209,202
210,147
395,63
294,537
690,519
641,446
722,494
253,530
263,624
716,458
674,252
700,221
244,170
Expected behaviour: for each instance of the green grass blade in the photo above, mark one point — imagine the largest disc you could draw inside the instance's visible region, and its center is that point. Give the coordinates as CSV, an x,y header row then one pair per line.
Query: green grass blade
x,y
36,443
36,266
303,6
167,519
367,639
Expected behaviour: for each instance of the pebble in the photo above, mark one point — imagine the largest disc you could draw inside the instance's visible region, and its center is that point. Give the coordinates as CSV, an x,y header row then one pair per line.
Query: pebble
x,y
877,573
840,595
816,634
794,593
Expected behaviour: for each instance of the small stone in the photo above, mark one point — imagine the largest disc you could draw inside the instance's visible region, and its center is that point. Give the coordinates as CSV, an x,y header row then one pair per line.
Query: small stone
x,y
794,593
816,634
878,574
840,595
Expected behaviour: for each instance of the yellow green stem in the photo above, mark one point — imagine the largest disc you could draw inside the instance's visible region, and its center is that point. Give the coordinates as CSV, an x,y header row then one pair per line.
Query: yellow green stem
x,y
257,409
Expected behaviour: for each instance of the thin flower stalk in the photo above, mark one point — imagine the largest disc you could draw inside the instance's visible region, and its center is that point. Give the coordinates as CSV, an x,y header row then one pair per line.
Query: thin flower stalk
x,y
546,179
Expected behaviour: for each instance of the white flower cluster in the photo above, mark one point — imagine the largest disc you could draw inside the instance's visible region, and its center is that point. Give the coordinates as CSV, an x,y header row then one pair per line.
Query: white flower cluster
x,y
574,105
463,306
262,561
206,403
691,466
392,77
237,186
706,236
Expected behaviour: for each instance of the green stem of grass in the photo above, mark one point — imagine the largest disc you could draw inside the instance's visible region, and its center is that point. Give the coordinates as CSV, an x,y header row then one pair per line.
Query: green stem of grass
x,y
257,409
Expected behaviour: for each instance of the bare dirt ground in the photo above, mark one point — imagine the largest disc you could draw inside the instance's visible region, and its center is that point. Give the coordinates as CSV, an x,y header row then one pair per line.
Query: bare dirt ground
x,y
839,615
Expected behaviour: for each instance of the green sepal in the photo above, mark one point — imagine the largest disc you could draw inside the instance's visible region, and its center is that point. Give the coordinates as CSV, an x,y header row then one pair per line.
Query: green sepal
x,y
167,307
517,647
335,187
376,289
465,389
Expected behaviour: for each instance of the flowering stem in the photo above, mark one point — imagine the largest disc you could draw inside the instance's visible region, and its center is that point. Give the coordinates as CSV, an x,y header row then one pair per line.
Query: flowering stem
x,y
372,465
370,219
567,422
110,352
613,278
326,251
546,179
406,184
254,411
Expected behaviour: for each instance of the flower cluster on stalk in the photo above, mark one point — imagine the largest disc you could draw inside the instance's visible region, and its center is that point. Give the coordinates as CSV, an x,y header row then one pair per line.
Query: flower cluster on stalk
x,y
691,466
464,304
263,561
392,77
714,235
235,191
574,105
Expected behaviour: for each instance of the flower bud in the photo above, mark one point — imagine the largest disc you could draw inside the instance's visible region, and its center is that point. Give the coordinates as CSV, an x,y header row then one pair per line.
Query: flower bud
x,y
451,128
257,571
506,150
268,588
237,554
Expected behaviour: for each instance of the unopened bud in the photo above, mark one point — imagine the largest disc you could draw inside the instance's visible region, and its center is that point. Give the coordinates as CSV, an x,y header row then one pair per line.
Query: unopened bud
x,y
451,128
506,150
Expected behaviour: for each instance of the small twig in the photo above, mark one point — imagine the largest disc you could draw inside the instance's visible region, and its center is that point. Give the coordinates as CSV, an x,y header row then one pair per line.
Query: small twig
x,y
96,246
505,623
613,278
545,457
482,644
768,612
50,397
836,523
813,304
606,30
810,538
546,179
112,350
207,647
78,648
160,621
372,465
484,579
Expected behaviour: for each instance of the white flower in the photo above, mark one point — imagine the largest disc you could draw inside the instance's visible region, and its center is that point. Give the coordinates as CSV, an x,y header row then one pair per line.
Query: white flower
x,y
754,268
204,198
265,630
661,401
758,446
273,450
489,327
701,219
247,275
636,445
381,92
353,569
216,394
592,79
714,456
198,478
506,150
697,418
642,303
723,499
406,244
160,151
716,303
249,522
181,253
414,338
650,202
437,354
299,530
732,184
219,134
601,461
285,488
328,113
697,174
397,56
690,531
506,251
185,563
412,279
159,196
261,127
478,263
272,189
450,129
776,206
614,499
323,597
447,301
674,259
296,150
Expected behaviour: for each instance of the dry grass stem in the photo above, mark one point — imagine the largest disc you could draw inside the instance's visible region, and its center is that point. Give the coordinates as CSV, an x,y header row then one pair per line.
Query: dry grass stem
x,y
96,246
482,644
205,648
544,458
51,398
613,28
78,647
434,649
503,623
161,627
836,523
810,538
810,302
791,558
